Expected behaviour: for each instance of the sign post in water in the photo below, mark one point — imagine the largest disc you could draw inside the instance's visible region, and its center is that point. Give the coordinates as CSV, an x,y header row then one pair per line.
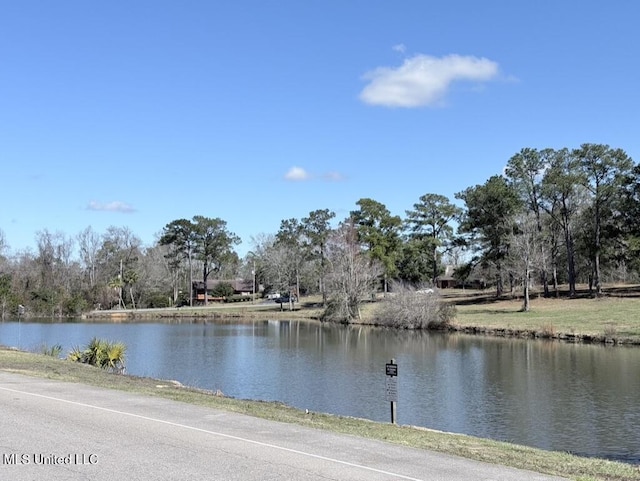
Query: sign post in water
x,y
391,386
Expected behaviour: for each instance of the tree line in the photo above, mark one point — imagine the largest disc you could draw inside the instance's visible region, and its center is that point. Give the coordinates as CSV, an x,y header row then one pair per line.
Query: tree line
x,y
554,216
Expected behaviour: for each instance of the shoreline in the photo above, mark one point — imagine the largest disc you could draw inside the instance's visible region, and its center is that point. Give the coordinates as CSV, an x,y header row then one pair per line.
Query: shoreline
x,y
218,314
609,320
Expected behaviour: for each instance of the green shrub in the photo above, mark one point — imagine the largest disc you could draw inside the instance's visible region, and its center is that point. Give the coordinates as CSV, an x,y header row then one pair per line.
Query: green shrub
x,y
158,300
238,298
53,351
103,354
74,306
223,289
183,299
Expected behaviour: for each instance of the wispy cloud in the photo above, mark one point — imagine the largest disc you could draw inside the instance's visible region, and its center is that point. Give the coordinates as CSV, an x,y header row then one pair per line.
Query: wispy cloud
x,y
115,206
423,80
298,174
333,177
399,48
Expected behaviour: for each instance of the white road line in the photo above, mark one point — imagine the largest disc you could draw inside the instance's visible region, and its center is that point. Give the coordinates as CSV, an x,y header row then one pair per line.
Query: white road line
x,y
229,436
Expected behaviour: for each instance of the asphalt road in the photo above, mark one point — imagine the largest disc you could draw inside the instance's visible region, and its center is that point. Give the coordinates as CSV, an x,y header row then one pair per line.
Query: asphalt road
x,y
61,431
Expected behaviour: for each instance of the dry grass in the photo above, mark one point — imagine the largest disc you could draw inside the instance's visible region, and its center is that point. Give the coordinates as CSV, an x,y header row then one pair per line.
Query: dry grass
x,y
594,317
554,463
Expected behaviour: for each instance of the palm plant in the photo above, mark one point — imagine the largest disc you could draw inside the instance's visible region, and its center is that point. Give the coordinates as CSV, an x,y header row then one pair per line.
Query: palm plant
x,y
114,360
103,354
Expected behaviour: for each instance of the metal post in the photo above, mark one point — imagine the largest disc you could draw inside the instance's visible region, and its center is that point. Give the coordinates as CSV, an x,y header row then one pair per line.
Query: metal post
x,y
253,274
391,381
393,403
20,313
393,412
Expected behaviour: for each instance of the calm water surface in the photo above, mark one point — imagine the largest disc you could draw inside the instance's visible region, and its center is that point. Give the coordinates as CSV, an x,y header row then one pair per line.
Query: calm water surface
x,y
578,398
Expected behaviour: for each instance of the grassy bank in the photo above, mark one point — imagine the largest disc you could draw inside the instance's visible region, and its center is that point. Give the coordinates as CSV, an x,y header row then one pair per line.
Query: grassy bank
x,y
609,317
560,464
613,318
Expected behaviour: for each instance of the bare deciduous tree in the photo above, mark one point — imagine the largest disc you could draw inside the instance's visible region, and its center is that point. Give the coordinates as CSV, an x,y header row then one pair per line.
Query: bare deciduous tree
x,y
53,263
89,245
280,268
3,243
525,252
351,277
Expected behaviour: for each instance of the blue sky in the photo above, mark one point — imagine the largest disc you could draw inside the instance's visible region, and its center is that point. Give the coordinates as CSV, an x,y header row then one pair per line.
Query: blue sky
x,y
139,113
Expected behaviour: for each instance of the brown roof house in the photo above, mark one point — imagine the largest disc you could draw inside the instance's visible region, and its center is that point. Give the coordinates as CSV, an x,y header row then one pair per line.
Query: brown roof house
x,y
240,287
448,280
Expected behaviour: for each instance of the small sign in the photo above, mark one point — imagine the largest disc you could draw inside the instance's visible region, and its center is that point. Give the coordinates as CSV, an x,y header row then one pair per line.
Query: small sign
x,y
391,389
391,386
391,369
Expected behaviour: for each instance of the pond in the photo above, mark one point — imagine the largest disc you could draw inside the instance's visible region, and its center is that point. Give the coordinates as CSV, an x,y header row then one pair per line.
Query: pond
x,y
577,398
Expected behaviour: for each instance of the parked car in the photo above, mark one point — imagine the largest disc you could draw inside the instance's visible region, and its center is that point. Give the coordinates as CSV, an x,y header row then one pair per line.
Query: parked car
x,y
285,299
426,290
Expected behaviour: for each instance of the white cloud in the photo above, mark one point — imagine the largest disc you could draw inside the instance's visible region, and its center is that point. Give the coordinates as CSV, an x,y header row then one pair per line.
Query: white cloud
x,y
424,80
115,206
297,174
399,48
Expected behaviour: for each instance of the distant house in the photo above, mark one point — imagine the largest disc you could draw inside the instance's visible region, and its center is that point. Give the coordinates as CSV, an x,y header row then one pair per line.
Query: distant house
x,y
241,287
448,279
